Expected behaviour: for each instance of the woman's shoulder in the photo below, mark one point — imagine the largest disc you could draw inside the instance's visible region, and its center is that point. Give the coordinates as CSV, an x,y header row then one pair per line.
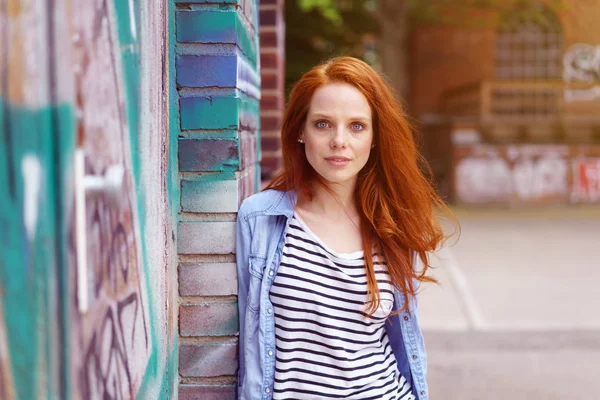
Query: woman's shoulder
x,y
260,203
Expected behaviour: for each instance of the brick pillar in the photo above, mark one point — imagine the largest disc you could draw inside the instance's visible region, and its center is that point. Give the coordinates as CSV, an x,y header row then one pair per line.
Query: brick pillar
x,y
216,101
272,60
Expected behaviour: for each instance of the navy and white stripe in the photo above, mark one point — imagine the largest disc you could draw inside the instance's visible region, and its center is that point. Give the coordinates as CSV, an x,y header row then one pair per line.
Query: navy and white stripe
x,y
327,347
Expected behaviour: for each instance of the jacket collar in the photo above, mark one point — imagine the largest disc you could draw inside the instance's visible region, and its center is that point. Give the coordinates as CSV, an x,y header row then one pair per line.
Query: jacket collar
x,y
284,204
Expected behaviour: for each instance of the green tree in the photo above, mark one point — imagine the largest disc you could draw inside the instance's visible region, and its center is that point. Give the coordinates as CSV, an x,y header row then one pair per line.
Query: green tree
x,y
319,29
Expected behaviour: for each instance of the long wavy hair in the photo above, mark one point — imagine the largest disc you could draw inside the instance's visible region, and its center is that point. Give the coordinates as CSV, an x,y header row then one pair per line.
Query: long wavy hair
x,y
393,197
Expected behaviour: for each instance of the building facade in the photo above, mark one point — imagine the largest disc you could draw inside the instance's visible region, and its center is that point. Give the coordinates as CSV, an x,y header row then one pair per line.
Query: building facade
x,y
509,104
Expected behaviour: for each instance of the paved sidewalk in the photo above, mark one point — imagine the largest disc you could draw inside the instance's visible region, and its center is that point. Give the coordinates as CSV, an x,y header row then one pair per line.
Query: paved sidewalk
x,y
517,312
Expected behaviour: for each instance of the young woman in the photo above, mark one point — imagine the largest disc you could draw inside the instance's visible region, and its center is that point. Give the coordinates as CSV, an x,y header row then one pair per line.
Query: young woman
x,y
331,254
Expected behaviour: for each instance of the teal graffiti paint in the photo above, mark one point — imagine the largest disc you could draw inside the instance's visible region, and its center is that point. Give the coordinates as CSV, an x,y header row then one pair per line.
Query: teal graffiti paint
x,y
173,181
64,144
28,258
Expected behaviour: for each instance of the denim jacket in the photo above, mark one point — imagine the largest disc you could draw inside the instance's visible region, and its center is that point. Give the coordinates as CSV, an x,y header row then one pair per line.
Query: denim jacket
x,y
262,221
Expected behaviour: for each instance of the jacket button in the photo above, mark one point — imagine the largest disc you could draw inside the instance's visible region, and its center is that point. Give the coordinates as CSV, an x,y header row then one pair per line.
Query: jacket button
x,y
270,352
269,310
271,273
268,390
422,393
406,317
415,357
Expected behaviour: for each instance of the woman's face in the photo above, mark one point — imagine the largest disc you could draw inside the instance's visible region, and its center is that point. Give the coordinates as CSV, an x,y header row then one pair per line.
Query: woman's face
x,y
338,133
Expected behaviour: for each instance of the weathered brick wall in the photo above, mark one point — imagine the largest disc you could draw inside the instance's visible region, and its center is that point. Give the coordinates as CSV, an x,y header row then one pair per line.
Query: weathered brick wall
x,y
448,56
534,175
272,60
217,100
445,57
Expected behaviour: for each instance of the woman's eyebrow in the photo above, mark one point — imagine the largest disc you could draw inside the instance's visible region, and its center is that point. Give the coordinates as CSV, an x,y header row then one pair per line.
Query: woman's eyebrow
x,y
357,117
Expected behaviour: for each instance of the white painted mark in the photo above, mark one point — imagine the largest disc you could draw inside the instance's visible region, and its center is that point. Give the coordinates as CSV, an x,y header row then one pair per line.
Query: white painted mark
x,y
461,285
132,24
32,177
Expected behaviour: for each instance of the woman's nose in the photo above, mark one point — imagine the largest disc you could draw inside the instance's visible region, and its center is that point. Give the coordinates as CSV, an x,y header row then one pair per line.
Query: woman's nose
x,y
339,138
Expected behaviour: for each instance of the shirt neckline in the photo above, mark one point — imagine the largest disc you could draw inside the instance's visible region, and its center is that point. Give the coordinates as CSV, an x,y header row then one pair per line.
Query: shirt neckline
x,y
344,256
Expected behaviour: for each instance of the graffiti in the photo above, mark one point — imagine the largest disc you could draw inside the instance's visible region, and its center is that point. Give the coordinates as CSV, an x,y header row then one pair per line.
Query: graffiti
x,y
113,346
499,174
72,77
32,175
536,179
483,179
116,349
582,64
132,23
586,180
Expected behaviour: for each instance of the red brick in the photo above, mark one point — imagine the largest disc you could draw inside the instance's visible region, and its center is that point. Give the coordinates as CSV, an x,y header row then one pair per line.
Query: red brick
x,y
271,143
208,320
268,17
269,60
206,155
207,360
206,392
434,54
247,184
270,123
268,39
248,149
271,102
269,165
270,80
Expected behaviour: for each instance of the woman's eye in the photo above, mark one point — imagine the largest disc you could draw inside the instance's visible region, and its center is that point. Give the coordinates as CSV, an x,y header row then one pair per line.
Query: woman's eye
x,y
322,124
357,126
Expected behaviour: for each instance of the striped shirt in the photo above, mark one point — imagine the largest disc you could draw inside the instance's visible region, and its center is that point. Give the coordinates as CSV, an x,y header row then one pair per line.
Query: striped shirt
x,y
326,346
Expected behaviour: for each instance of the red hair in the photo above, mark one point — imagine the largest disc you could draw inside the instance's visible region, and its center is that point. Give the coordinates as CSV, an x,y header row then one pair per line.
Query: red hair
x,y
394,199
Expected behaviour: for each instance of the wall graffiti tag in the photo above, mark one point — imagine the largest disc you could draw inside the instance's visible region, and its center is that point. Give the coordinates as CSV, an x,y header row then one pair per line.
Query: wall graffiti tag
x,y
112,348
512,174
581,63
586,180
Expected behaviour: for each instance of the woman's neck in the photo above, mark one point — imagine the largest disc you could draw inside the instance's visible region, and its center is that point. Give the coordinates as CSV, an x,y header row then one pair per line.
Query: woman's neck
x,y
336,202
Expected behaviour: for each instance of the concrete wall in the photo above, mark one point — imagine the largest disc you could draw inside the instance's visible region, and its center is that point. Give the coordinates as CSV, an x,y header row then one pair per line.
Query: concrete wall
x,y
215,113
83,77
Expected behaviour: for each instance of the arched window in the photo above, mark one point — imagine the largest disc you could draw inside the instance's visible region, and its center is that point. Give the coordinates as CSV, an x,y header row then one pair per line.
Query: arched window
x,y
529,46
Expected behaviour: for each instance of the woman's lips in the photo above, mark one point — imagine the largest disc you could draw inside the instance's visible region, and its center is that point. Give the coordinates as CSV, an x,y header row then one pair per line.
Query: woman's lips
x,y
337,161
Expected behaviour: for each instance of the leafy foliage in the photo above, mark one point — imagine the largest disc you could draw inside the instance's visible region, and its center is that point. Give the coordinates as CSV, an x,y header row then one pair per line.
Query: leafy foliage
x,y
319,29
327,8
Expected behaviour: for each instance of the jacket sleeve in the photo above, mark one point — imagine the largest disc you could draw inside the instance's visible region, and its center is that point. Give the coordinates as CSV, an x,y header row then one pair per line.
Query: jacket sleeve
x,y
242,255
418,266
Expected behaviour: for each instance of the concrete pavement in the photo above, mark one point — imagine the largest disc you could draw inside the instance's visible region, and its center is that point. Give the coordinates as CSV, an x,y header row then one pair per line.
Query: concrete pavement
x,y
517,312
